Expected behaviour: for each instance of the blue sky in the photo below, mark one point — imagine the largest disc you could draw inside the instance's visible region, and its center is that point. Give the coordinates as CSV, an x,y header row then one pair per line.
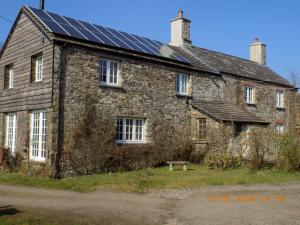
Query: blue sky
x,y
222,25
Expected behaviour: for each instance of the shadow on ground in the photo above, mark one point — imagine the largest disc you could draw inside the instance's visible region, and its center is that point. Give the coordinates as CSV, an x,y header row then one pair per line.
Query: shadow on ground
x,y
8,210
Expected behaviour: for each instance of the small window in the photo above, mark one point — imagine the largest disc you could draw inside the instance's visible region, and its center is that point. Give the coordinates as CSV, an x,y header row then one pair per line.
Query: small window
x,y
109,72
37,68
182,83
130,130
279,128
9,77
249,95
11,131
279,98
202,128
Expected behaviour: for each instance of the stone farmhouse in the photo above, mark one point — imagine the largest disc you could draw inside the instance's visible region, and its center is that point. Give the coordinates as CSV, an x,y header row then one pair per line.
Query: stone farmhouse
x,y
49,62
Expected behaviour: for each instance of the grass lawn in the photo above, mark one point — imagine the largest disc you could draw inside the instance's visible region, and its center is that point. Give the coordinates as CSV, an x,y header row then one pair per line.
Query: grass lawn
x,y
158,178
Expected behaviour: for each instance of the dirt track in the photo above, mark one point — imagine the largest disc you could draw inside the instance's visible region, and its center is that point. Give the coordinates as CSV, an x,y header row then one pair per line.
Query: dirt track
x,y
234,205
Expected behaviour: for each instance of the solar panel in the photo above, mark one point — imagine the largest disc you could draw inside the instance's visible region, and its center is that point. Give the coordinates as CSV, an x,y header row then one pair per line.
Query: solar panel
x,y
90,32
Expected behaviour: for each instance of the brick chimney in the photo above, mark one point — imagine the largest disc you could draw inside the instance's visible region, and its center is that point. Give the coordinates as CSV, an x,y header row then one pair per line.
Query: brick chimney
x,y
42,4
258,52
180,30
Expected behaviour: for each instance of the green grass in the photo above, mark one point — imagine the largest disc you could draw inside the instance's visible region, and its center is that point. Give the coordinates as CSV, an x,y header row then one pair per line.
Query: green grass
x,y
159,178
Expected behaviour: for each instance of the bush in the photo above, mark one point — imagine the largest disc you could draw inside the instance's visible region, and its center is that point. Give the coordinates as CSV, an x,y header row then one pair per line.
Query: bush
x,y
288,154
133,157
221,159
258,147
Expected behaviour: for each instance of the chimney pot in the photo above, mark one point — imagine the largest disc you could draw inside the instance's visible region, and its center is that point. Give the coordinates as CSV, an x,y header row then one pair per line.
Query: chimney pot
x,y
42,4
180,13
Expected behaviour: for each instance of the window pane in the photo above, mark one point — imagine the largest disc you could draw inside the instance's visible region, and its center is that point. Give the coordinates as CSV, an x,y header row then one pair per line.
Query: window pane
x,y
139,130
129,126
177,83
11,77
119,132
103,70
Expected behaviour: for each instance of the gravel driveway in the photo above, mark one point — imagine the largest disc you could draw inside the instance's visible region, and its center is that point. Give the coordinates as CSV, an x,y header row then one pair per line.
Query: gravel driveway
x,y
233,205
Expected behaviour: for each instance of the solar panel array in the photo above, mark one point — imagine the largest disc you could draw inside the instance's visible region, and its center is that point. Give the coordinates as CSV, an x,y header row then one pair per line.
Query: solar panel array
x,y
74,28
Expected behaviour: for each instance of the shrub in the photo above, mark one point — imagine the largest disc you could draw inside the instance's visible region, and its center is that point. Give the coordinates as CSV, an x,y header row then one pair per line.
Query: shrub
x,y
133,157
12,162
288,154
258,147
220,159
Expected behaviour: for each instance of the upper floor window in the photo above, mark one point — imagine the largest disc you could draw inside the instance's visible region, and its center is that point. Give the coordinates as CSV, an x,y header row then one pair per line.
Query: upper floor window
x,y
249,95
9,77
37,68
182,83
279,99
202,128
130,130
109,72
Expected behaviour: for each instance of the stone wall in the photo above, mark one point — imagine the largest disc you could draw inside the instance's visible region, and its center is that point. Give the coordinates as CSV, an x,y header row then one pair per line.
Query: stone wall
x,y
264,106
147,90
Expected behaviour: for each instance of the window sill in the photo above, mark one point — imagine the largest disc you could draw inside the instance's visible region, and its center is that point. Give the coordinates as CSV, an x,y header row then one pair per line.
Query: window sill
x,y
37,160
200,141
184,95
112,87
130,142
36,82
250,103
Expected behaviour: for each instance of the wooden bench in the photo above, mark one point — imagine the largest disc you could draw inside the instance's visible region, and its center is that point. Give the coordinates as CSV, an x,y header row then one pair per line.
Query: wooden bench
x,y
181,163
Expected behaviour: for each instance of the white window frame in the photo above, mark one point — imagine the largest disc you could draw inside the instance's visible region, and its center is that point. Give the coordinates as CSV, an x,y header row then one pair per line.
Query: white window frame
x,y
279,128
39,66
112,74
11,77
279,99
137,131
182,84
11,132
249,96
38,135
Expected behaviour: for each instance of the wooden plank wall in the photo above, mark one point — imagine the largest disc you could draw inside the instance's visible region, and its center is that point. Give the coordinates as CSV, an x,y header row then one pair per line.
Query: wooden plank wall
x,y
298,111
26,40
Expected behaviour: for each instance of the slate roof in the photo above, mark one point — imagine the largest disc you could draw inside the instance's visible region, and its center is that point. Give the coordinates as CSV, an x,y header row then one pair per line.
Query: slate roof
x,y
226,112
239,66
224,63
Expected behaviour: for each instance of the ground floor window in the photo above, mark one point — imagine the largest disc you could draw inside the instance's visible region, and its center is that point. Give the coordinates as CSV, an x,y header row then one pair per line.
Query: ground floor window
x,y
130,130
11,131
38,135
202,128
279,128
